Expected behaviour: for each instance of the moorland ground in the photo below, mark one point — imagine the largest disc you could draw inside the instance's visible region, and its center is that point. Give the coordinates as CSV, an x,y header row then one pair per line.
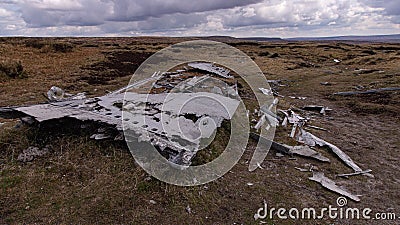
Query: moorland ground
x,y
83,181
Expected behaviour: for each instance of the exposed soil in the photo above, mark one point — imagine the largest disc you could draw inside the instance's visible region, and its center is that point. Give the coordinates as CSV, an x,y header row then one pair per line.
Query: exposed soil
x,y
117,64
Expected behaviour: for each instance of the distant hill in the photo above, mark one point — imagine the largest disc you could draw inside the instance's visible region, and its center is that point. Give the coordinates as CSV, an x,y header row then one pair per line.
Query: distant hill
x,y
395,38
234,39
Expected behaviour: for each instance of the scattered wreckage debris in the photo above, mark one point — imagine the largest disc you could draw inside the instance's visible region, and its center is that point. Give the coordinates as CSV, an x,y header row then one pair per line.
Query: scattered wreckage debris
x,y
304,151
31,153
319,177
180,146
309,139
267,115
372,91
304,137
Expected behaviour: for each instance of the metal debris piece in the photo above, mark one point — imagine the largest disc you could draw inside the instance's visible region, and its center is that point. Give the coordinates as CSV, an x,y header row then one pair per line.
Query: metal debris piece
x,y
58,94
307,152
347,175
78,96
267,115
300,98
266,91
276,82
326,83
209,67
320,109
290,150
274,145
317,128
331,185
55,93
302,170
285,121
260,122
372,91
31,153
101,136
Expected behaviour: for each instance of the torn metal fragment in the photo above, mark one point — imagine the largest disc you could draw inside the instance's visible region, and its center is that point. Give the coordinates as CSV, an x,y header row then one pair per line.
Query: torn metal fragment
x,y
209,67
266,91
302,170
320,109
331,185
55,93
317,128
307,152
260,122
347,175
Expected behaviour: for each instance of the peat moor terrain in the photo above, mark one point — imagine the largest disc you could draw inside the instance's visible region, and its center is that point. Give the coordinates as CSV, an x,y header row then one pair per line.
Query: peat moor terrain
x,y
85,181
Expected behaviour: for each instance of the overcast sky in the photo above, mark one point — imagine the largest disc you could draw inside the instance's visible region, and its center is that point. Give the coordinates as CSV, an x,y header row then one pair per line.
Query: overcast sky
x,y
240,18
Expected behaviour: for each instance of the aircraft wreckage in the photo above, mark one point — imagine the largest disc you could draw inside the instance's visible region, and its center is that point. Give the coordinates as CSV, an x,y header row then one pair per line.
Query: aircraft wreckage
x,y
179,132
155,118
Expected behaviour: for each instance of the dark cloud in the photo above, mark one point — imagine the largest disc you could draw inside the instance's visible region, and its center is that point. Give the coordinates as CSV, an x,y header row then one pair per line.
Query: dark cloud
x,y
128,10
392,7
58,13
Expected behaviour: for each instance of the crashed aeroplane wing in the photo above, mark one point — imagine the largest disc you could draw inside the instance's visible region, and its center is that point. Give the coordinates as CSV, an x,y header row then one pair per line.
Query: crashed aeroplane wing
x,y
144,114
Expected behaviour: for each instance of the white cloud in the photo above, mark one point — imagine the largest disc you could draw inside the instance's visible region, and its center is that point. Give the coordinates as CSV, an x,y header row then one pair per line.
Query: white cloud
x,y
5,13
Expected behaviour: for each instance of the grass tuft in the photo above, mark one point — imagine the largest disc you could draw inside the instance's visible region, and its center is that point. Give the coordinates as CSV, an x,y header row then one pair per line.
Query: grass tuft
x,y
12,69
